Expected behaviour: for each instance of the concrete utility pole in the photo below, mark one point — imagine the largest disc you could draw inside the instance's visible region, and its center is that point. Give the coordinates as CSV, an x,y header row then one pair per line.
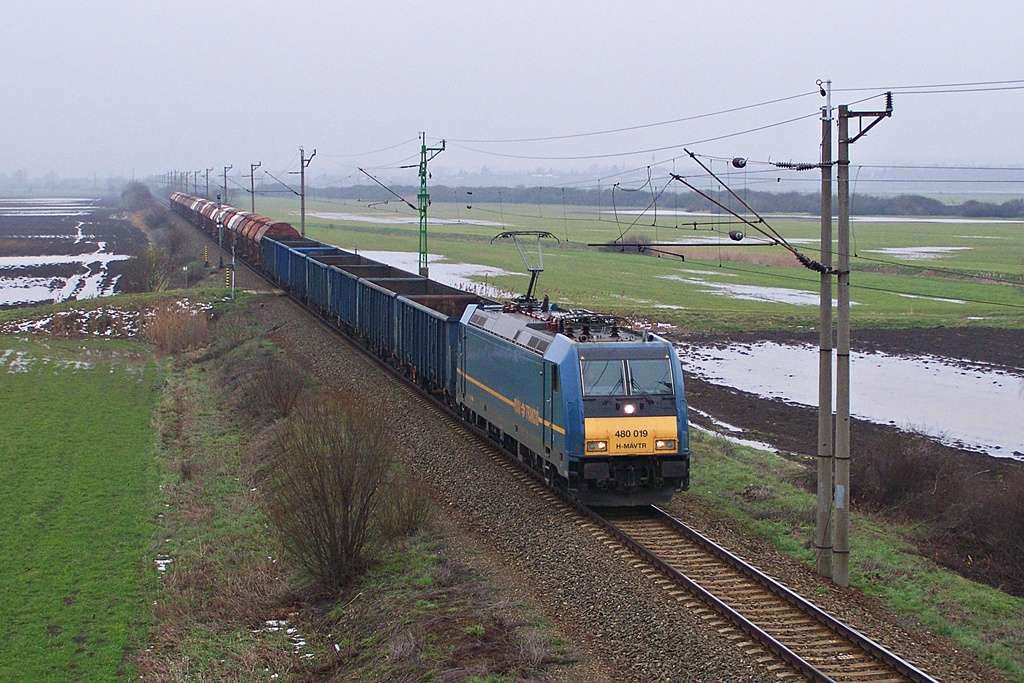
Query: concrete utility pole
x,y
252,183
823,528
841,537
426,154
226,169
207,195
303,163
195,183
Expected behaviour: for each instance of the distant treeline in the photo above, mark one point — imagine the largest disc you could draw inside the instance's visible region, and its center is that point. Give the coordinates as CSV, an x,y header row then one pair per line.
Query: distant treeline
x,y
607,198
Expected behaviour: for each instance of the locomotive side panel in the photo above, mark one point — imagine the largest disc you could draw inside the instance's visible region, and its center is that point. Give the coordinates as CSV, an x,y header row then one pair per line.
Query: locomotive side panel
x,y
504,385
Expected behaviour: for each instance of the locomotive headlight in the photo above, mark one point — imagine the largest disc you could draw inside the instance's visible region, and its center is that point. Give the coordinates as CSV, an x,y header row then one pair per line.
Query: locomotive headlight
x,y
629,408
665,445
597,446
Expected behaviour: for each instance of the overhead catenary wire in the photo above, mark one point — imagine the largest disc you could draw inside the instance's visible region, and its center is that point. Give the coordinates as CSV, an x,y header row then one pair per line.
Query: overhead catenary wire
x,y
643,126
770,233
406,201
650,150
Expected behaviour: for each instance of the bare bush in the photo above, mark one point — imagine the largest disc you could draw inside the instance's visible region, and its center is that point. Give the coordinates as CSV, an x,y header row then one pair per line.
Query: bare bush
x,y
269,386
136,197
330,463
148,270
973,510
404,508
174,329
233,330
281,383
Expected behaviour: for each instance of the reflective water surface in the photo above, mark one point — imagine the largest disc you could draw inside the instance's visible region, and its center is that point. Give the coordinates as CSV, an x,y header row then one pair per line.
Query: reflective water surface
x,y
970,406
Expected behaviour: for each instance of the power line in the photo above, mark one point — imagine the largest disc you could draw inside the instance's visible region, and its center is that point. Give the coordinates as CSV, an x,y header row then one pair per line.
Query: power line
x,y
641,126
640,151
366,154
942,88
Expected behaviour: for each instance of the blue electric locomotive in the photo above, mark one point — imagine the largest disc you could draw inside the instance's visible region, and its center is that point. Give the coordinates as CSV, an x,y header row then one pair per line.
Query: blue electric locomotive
x,y
598,409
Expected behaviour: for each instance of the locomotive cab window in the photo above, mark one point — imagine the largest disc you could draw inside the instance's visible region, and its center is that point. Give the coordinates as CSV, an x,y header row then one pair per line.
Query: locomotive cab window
x,y
603,377
554,379
650,377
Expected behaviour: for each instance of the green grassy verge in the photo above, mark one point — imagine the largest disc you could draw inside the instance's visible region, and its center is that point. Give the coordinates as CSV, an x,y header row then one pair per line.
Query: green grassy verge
x,y
760,490
77,478
231,608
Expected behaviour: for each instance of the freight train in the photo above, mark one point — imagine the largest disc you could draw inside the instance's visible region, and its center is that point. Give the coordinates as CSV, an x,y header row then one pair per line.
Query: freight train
x,y
596,408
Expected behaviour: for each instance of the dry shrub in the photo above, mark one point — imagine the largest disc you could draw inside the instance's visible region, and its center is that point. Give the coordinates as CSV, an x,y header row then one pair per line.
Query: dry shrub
x,y
404,508
281,383
231,331
330,463
973,508
777,256
174,329
269,386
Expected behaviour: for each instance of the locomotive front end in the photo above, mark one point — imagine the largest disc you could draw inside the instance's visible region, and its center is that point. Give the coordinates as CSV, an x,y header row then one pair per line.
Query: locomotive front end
x,y
635,446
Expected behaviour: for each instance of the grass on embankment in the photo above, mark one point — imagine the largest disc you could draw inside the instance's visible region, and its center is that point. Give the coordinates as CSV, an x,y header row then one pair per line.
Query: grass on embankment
x,y
760,491
231,608
77,484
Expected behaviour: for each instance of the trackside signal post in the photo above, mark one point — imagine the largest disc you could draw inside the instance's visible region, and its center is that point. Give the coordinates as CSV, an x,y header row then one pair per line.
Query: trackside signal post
x,y
426,154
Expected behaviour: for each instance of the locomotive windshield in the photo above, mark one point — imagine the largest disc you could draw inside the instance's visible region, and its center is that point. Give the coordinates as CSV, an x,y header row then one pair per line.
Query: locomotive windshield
x,y
608,377
650,376
603,378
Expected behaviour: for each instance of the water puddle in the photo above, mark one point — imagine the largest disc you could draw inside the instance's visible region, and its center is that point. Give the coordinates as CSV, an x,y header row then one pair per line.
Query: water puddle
x,y
50,206
724,430
38,225
917,253
963,405
774,295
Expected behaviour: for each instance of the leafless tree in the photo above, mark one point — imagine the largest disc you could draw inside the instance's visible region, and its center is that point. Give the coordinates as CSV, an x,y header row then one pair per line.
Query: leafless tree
x,y
330,462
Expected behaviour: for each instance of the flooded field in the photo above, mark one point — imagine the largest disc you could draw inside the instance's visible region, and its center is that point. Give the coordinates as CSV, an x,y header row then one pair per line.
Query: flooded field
x,y
53,250
396,220
972,406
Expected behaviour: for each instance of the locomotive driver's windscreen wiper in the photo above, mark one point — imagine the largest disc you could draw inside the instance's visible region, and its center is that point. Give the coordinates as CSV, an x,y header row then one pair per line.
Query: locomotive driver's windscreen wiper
x,y
637,389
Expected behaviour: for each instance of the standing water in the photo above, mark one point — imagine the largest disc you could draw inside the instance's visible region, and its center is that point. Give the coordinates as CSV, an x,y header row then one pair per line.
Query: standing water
x,y
961,404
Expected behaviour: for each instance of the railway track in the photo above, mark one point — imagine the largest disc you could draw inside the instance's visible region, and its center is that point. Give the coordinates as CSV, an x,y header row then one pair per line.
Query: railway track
x,y
817,645
809,643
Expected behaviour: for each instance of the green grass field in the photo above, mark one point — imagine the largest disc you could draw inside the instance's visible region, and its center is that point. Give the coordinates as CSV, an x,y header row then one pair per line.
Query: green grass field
x,y
977,278
77,510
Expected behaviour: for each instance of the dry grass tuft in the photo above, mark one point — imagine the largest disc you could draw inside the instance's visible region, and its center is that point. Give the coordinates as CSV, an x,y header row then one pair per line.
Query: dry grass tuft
x,y
174,328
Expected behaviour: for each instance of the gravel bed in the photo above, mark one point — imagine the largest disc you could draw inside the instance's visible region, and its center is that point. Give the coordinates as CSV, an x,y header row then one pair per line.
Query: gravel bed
x,y
624,626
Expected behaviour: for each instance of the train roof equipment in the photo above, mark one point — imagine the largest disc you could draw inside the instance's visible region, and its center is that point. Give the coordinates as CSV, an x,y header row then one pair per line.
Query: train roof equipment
x,y
528,298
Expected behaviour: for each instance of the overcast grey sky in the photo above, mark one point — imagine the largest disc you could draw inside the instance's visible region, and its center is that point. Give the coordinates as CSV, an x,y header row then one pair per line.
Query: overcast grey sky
x,y
119,87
